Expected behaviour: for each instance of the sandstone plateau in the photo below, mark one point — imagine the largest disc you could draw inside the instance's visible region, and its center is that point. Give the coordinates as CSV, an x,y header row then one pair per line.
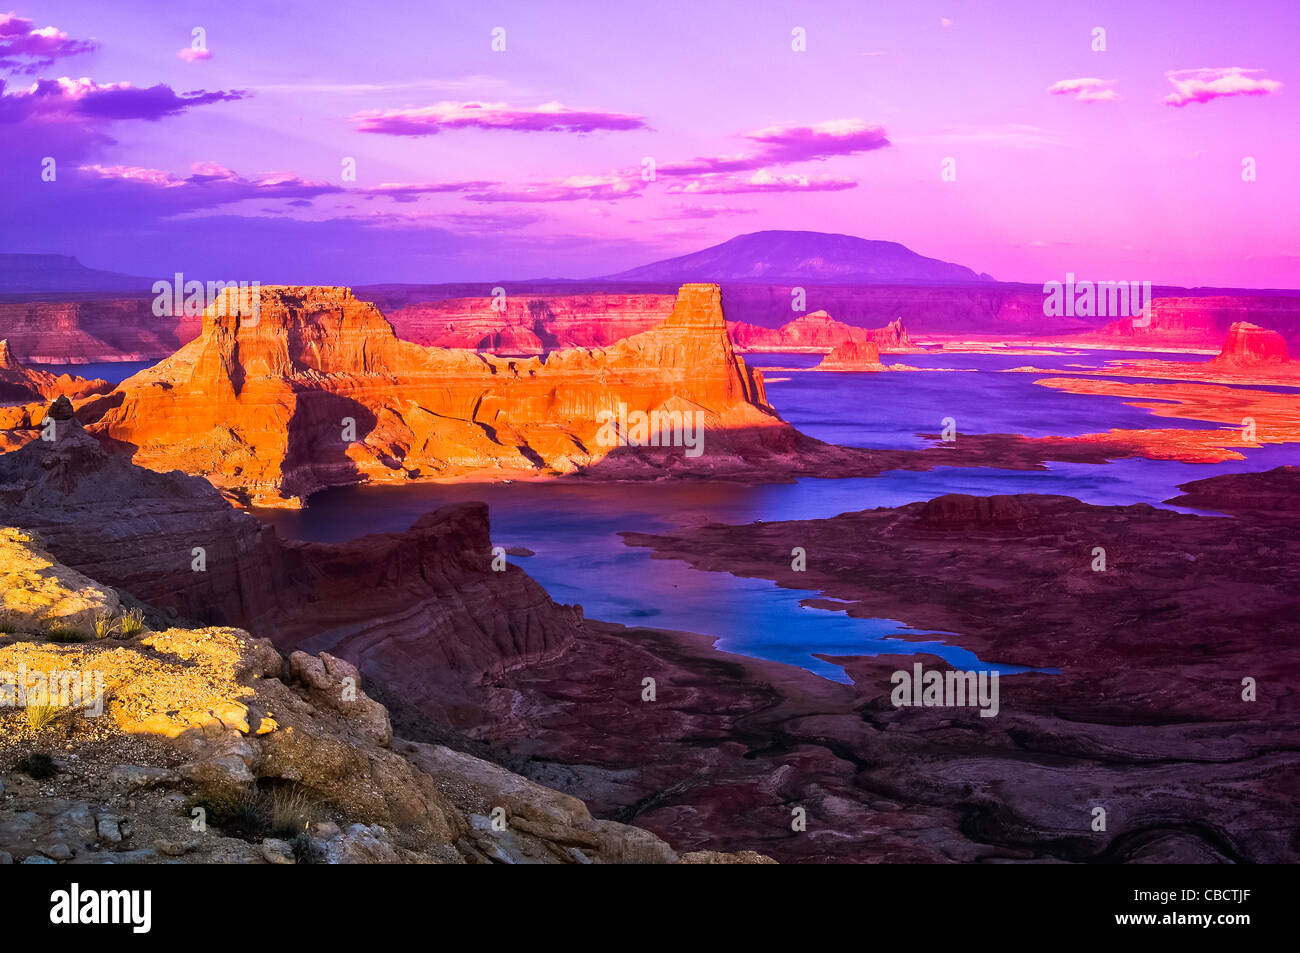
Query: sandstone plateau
x,y
318,391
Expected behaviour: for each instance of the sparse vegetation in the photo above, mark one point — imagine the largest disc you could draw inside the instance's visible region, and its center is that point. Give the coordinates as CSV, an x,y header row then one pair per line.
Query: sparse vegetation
x,y
44,714
38,765
291,811
132,624
65,634
129,625
241,814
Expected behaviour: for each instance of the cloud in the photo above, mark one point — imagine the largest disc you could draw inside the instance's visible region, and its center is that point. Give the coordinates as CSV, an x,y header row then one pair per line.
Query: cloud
x,y
548,117
210,185
764,180
1086,90
25,50
1215,82
84,100
600,188
684,211
189,54
783,145
410,191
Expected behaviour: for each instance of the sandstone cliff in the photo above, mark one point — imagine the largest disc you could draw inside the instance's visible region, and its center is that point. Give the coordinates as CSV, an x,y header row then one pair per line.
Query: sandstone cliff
x,y
92,329
318,391
1203,322
172,540
202,745
818,332
21,383
530,324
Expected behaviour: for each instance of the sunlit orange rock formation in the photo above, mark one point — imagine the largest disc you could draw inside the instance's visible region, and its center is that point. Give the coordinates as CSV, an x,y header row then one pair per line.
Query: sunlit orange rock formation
x,y
317,391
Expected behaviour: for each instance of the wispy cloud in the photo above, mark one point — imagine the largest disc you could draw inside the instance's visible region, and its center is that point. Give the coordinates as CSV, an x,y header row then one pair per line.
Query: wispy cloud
x,y
763,180
1217,82
548,117
1088,89
603,188
787,144
191,55
27,50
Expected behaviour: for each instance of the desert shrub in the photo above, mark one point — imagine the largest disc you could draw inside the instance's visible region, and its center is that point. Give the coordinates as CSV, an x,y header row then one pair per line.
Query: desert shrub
x,y
38,765
44,714
62,633
291,810
305,850
132,623
239,814
105,625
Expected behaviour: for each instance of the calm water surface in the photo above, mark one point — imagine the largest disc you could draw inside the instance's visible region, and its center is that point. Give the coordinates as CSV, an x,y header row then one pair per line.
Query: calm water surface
x,y
581,559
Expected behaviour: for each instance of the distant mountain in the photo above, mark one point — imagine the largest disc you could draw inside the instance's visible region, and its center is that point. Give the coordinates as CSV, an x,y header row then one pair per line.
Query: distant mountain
x,y
812,257
36,274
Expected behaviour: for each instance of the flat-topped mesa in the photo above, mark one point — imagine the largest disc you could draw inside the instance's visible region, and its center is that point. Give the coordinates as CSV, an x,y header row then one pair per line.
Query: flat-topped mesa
x,y
310,387
853,356
818,331
1249,345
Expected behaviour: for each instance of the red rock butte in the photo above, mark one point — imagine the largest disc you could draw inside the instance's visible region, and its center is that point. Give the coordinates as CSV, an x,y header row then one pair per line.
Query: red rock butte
x,y
1249,345
314,389
853,356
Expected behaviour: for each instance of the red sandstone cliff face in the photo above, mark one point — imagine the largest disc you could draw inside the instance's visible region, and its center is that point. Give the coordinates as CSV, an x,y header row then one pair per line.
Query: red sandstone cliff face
x,y
530,324
424,609
853,356
1204,322
1249,345
20,383
92,330
817,331
318,391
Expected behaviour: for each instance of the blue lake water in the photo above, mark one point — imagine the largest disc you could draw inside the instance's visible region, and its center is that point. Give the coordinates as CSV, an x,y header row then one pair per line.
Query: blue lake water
x,y
114,372
580,558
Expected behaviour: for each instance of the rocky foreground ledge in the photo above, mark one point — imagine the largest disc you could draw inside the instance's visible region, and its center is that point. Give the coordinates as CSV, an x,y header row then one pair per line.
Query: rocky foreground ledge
x,y
199,745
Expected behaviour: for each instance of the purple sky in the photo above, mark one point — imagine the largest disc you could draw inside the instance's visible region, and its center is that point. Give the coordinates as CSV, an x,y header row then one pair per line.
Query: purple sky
x,y
473,164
